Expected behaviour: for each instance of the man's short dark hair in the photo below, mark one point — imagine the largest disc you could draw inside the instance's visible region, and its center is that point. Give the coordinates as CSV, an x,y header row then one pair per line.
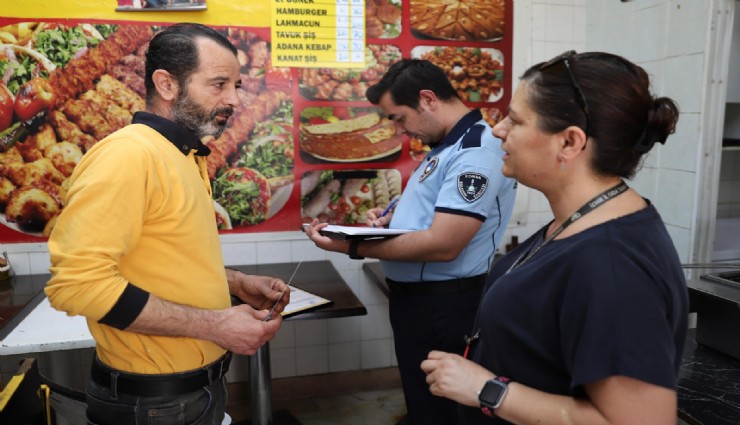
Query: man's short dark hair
x,y
174,50
406,78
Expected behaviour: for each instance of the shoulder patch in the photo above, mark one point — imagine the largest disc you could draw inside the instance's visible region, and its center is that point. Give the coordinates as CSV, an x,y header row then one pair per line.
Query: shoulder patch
x,y
472,138
429,168
471,186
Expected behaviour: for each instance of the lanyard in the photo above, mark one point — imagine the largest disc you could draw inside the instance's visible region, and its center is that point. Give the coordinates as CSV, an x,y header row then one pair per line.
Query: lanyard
x,y
589,206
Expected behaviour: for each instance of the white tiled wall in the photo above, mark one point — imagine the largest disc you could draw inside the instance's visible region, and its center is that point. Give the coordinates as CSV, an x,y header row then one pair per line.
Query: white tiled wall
x,y
543,29
669,38
666,37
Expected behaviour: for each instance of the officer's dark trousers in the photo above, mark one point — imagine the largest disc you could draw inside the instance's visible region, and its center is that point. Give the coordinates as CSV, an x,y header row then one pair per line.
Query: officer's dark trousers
x,y
422,323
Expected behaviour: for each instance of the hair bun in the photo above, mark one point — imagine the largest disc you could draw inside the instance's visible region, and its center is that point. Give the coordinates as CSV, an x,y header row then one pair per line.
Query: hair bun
x,y
660,123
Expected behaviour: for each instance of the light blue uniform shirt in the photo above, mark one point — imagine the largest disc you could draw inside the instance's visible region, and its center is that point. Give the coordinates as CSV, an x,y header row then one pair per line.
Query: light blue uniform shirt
x,y
461,175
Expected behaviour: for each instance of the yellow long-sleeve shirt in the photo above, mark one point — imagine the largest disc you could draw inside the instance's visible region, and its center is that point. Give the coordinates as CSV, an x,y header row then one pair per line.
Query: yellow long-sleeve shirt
x,y
138,219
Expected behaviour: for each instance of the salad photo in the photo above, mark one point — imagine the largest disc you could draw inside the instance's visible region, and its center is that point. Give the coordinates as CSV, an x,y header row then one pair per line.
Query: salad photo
x,y
259,179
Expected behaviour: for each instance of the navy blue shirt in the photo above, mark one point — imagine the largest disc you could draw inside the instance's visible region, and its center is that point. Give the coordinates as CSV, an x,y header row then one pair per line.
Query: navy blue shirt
x,y
610,300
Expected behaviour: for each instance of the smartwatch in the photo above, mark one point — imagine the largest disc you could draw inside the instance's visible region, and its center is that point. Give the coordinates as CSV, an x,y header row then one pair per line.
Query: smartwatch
x,y
492,394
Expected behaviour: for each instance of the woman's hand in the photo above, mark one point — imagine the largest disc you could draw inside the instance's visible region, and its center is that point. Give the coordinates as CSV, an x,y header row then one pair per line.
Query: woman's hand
x,y
454,377
614,400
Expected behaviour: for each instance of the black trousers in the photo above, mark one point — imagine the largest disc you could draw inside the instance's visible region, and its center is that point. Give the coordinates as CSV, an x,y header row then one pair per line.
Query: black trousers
x,y
422,323
196,397
205,406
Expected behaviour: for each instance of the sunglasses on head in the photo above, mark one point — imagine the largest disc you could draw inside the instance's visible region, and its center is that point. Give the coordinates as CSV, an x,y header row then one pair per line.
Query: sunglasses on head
x,y
563,60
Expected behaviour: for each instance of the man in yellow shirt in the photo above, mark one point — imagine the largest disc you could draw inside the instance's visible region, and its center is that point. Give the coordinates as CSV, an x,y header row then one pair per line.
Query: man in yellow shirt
x,y
136,250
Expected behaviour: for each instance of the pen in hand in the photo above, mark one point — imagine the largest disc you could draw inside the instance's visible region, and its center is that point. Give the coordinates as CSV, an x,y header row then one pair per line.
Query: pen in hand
x,y
274,306
390,206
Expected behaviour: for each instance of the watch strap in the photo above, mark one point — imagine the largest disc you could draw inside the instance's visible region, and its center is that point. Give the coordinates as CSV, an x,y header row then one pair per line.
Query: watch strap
x,y
503,379
353,245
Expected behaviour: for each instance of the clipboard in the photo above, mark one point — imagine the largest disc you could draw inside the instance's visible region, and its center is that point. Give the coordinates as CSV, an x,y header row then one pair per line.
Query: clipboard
x,y
352,232
302,301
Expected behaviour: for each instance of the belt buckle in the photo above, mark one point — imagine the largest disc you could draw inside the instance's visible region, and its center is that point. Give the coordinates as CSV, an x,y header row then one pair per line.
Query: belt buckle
x,y
220,366
213,375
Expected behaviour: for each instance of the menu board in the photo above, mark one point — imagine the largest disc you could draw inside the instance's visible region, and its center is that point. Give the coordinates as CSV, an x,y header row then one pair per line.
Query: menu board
x,y
310,33
304,141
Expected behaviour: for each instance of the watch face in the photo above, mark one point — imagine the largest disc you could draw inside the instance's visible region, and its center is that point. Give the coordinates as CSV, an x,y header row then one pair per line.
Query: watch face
x,y
492,394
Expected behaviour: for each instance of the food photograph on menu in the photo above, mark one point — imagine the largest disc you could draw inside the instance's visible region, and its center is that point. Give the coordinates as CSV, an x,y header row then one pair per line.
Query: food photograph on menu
x,y
344,197
348,83
161,5
347,134
67,86
63,88
459,20
383,18
476,73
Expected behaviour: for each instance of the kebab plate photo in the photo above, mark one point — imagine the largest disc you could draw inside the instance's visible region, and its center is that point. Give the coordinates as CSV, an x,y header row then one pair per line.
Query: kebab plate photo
x,y
56,101
66,86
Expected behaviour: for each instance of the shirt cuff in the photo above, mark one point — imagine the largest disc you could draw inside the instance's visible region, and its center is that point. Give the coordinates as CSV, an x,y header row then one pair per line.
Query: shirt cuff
x,y
127,308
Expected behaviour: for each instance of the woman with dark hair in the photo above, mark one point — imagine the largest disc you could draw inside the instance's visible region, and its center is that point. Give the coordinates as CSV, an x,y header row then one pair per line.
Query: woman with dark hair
x,y
584,323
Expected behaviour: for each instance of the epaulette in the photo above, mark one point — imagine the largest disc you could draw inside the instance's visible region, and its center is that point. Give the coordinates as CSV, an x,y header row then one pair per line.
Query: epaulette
x,y
472,139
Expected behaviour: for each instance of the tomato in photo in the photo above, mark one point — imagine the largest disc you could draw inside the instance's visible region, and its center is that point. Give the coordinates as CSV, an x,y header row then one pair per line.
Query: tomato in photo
x,y
33,97
343,113
6,107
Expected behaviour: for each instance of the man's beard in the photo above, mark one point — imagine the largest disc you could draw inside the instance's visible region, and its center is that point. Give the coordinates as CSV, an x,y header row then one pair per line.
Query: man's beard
x,y
196,119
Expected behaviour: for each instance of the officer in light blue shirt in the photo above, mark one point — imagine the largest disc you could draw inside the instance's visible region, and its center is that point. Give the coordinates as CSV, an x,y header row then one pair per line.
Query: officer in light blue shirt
x,y
462,176
459,203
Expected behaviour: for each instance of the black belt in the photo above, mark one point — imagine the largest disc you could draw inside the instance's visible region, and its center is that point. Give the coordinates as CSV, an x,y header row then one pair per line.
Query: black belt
x,y
166,385
440,287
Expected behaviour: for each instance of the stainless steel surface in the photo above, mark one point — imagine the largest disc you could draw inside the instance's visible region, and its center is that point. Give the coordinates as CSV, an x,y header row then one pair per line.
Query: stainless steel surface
x,y
261,386
729,278
716,300
18,297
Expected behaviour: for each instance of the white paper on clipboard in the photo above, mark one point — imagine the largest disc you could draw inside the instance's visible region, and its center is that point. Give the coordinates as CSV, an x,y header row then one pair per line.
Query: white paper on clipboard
x,y
355,232
301,301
